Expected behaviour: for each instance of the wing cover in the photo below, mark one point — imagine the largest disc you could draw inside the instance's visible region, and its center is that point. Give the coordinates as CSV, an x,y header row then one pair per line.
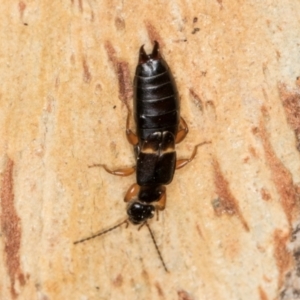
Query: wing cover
x,y
156,159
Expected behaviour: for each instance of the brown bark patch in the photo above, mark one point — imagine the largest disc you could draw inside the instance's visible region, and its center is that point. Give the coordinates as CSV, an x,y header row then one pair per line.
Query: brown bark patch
x,y
196,99
291,104
22,7
199,231
282,256
121,69
281,176
262,294
80,5
159,290
11,229
183,295
118,281
120,23
265,194
86,72
226,202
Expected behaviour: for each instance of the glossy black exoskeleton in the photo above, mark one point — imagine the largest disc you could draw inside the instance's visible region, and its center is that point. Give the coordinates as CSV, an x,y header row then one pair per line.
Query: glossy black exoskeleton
x,y
158,128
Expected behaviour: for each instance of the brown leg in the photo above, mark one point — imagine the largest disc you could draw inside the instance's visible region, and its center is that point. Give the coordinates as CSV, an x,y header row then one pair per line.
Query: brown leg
x,y
119,172
131,137
161,203
183,131
182,162
132,192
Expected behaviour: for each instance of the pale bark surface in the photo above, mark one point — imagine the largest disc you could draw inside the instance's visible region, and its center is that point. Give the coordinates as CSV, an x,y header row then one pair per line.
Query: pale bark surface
x,y
66,74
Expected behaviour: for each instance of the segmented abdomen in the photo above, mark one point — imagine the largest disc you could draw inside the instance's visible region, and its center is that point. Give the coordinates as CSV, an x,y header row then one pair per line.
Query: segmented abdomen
x,y
156,102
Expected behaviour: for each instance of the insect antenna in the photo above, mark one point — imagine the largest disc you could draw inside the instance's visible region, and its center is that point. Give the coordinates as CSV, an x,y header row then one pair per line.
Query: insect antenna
x,y
155,244
100,233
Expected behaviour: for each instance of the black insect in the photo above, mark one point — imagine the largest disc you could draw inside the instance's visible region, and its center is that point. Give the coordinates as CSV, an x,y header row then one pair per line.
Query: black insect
x,y
158,128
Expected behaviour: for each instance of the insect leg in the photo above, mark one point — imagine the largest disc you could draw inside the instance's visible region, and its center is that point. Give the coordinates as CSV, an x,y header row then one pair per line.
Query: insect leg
x,y
131,137
132,192
182,162
161,203
183,131
119,172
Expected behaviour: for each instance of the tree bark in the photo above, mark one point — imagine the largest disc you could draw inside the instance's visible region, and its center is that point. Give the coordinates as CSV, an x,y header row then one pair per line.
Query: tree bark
x,y
229,230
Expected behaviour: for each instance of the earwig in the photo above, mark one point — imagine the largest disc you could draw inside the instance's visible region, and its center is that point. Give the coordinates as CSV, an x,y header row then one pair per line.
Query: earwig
x,y
159,128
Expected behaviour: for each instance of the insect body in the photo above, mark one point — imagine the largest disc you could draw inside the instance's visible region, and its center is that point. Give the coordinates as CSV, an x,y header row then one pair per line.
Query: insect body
x,y
158,128
156,113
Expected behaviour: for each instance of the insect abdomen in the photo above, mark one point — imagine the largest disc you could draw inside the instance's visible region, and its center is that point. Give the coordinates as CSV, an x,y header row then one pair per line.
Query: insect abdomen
x,y
156,100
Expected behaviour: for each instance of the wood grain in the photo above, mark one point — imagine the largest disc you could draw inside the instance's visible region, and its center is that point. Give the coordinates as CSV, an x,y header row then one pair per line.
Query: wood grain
x,y
66,79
